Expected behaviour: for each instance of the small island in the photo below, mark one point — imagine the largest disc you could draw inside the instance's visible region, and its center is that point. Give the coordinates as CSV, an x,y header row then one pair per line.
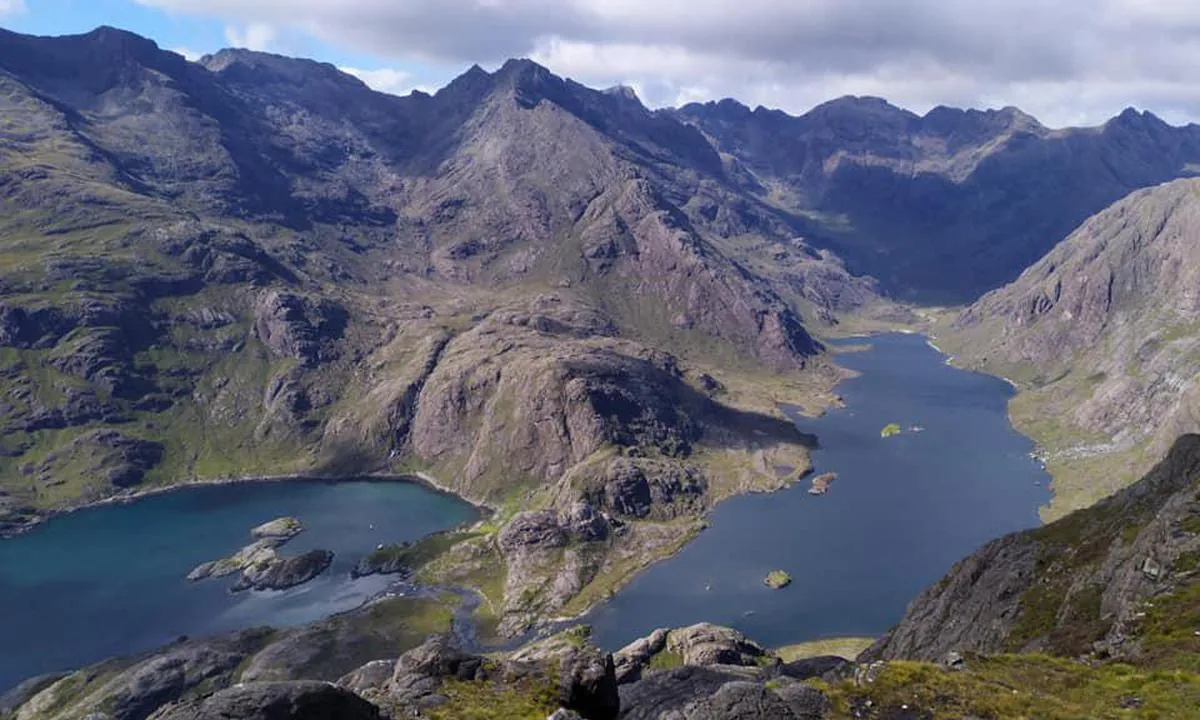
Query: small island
x,y
890,429
777,579
262,568
821,483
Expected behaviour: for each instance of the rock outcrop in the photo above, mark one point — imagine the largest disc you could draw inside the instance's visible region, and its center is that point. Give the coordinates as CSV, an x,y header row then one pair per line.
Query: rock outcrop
x,y
281,573
261,566
700,645
274,701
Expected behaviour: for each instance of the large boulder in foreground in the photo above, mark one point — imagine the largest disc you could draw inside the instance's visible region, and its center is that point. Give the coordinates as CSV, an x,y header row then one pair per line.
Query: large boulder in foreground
x,y
563,671
274,701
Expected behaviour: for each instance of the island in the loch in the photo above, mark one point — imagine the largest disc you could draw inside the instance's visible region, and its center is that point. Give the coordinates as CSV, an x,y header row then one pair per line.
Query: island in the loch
x,y
821,483
890,429
260,564
777,579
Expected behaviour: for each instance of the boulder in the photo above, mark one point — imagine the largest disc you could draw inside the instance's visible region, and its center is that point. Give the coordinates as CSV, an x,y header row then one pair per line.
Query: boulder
x,y
629,660
706,644
275,701
372,676
661,693
282,528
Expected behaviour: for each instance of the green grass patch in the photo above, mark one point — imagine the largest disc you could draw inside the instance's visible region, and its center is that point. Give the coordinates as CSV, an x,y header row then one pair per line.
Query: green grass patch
x,y
1021,686
525,699
1186,562
849,648
665,660
1168,630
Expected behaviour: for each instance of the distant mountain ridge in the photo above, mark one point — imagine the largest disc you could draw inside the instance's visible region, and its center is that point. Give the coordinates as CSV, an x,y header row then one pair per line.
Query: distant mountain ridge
x,y
945,206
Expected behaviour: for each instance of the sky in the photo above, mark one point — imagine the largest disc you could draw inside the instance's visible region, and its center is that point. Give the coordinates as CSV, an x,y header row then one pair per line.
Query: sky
x,y
1067,62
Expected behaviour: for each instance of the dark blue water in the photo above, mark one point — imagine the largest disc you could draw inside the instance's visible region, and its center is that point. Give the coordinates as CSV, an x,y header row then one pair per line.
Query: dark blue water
x,y
901,512
110,580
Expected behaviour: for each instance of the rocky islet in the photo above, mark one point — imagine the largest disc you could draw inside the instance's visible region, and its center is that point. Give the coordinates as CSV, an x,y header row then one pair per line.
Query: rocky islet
x,y
260,564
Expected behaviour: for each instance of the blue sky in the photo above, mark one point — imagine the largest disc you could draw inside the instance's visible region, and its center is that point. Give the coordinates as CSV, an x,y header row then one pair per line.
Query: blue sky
x,y
1068,62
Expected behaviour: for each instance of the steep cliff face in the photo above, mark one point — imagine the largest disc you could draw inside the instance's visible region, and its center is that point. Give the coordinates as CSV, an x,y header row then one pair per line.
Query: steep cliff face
x,y
1115,581
945,206
1101,335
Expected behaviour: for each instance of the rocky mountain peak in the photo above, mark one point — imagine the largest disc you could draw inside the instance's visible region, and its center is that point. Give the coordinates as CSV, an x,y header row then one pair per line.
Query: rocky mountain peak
x,y
268,67
724,112
624,92
529,81
864,105
118,40
97,60
473,83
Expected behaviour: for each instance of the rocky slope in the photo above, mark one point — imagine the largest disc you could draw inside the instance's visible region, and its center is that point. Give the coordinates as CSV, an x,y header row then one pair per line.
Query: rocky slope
x,y
543,296
1101,335
945,206
1116,581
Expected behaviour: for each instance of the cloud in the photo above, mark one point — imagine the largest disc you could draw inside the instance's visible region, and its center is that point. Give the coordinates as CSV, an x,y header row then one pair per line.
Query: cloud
x,y
1067,62
385,80
188,53
11,7
255,36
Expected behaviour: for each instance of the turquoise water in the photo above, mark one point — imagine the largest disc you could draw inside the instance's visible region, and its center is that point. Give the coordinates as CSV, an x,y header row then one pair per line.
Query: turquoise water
x,y
901,512
110,580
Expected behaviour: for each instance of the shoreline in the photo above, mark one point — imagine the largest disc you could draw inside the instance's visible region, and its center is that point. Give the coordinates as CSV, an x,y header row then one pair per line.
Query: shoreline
x,y
126,497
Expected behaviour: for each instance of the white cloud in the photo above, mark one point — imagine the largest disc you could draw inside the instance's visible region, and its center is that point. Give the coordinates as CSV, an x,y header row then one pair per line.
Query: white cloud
x,y
11,7
255,36
386,80
1067,62
188,53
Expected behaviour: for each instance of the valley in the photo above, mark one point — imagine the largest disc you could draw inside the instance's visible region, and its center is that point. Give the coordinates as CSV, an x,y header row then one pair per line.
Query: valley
x,y
618,346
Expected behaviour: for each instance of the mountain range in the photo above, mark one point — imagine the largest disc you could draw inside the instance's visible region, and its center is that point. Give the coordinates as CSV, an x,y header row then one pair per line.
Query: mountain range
x,y
576,310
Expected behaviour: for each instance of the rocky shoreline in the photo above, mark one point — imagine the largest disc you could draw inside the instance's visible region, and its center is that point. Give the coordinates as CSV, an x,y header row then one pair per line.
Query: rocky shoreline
x,y
134,494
